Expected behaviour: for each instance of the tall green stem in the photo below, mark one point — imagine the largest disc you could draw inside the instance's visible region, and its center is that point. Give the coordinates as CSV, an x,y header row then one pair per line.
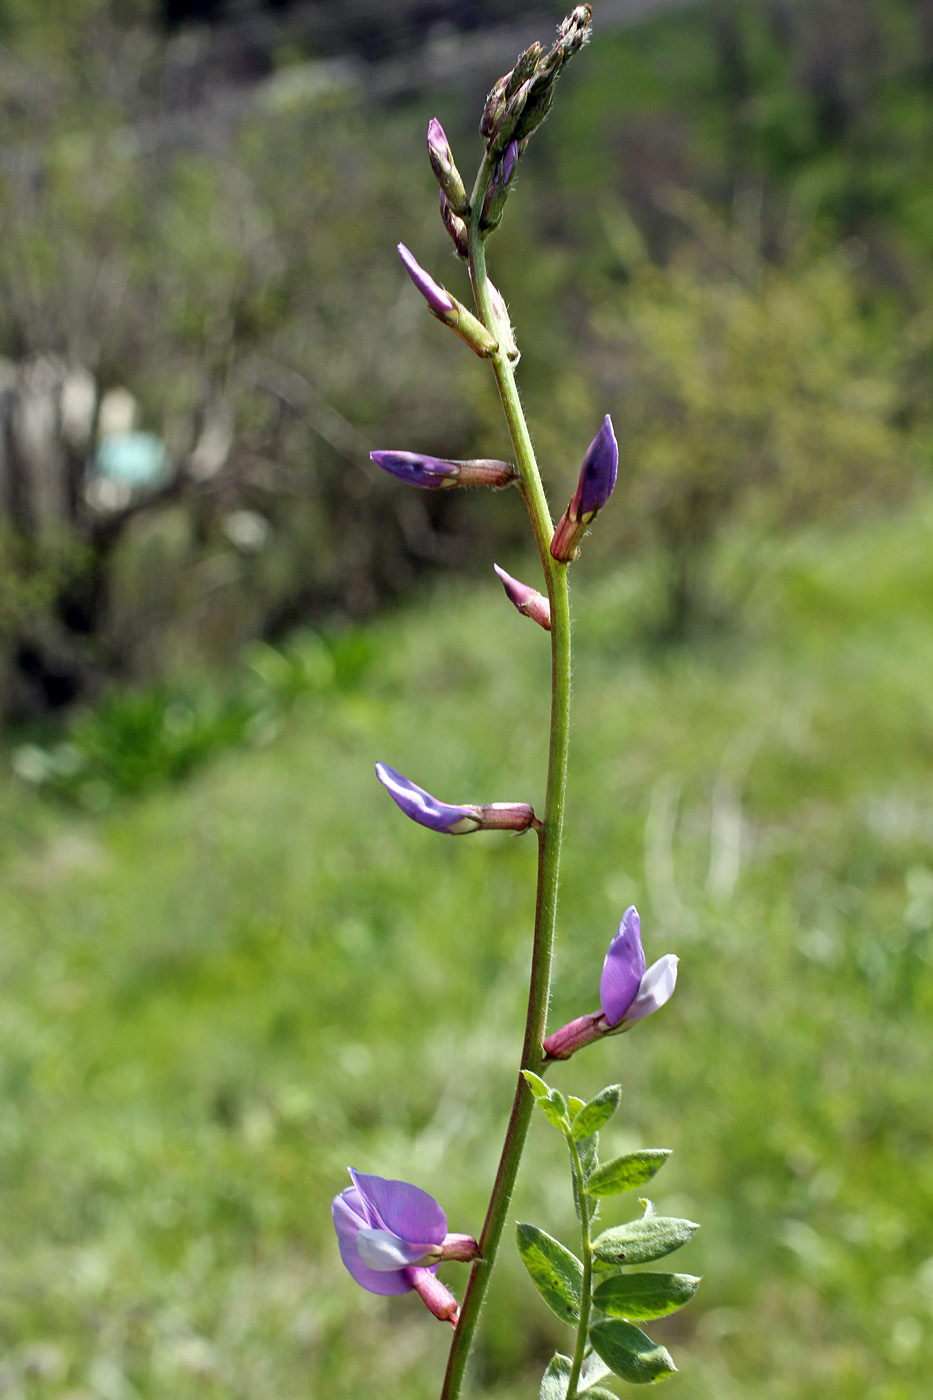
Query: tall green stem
x,y
583,1326
549,836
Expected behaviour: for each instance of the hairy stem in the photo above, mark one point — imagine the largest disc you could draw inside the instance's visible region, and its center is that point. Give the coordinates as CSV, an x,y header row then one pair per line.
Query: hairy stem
x,y
583,1327
549,835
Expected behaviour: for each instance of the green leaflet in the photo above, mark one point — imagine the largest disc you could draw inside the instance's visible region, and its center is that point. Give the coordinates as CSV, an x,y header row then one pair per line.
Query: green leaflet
x,y
598,1111
641,1241
555,1272
629,1353
643,1296
625,1173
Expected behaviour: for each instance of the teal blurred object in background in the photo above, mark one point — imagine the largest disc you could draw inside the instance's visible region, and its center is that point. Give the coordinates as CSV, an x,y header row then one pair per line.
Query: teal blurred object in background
x,y
136,460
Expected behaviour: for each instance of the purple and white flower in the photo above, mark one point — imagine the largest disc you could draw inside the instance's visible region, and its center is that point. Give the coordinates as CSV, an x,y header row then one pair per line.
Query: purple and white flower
x,y
628,991
393,1235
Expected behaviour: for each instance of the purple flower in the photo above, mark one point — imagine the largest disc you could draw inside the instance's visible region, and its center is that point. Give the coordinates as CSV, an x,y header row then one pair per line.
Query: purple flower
x,y
439,300
436,473
526,599
594,487
424,809
627,991
386,1227
598,473
392,1236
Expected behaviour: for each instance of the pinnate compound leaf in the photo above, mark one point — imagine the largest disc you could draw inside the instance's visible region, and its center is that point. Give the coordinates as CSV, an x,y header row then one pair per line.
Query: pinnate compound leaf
x,y
598,1111
555,1272
630,1353
625,1173
642,1241
554,1381
643,1296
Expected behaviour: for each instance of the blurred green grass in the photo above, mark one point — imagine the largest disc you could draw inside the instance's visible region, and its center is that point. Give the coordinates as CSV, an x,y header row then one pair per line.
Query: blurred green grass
x,y
214,997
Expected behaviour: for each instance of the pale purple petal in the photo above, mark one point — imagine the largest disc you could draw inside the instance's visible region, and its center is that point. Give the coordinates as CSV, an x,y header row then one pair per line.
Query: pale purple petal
x,y
421,807
657,987
401,1208
623,968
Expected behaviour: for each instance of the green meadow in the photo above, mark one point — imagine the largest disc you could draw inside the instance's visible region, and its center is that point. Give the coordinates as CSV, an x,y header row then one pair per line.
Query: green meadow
x,y
216,995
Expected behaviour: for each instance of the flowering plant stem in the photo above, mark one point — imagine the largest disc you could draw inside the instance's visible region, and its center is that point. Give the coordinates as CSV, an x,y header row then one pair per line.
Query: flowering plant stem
x,y
579,1350
551,829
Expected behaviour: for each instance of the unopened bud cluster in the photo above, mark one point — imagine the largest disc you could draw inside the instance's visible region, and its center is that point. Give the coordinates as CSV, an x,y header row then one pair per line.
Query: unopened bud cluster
x,y
521,99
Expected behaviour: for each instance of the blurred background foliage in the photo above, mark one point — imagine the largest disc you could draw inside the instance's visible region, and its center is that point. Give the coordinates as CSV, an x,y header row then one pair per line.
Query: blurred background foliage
x,y
215,994
722,243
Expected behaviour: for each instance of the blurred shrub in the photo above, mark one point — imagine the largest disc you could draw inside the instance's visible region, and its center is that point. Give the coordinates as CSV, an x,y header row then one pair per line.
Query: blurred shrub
x,y
138,739
744,393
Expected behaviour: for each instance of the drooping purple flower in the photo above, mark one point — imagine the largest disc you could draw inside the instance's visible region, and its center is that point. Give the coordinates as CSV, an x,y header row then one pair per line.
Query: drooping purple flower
x,y
594,487
439,300
383,1228
452,820
526,599
627,991
440,473
392,1237
425,809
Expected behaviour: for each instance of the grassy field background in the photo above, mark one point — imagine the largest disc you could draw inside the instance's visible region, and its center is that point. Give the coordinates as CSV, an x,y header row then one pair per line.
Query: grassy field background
x,y
214,997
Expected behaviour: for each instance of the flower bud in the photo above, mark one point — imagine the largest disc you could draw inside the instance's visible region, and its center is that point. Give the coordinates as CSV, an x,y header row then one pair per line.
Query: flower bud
x,y
502,321
455,227
442,163
497,191
447,309
439,300
439,473
595,486
452,820
521,100
527,600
